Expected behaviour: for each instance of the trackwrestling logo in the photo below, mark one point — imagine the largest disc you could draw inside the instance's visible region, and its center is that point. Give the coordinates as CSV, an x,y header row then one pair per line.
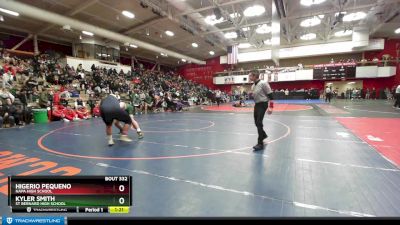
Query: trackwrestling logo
x,y
33,220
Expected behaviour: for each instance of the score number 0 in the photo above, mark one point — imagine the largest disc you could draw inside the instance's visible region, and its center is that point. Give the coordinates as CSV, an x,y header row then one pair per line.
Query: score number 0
x,y
121,200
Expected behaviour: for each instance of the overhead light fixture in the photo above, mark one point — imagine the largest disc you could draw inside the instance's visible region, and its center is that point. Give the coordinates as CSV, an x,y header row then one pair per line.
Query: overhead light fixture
x,y
183,60
169,33
163,54
234,15
80,37
321,16
351,82
397,31
256,10
9,12
311,2
267,42
133,46
1,18
343,33
128,14
329,83
309,36
212,53
244,45
156,56
87,33
195,45
354,16
310,22
212,20
230,35
245,28
263,29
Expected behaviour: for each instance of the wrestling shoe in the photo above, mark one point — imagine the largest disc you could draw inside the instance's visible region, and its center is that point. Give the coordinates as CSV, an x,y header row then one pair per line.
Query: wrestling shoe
x,y
258,147
110,142
125,138
140,135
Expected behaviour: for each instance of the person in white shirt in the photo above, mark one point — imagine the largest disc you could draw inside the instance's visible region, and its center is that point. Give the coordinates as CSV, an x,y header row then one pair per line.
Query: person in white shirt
x,y
218,96
262,94
287,93
7,77
397,97
328,94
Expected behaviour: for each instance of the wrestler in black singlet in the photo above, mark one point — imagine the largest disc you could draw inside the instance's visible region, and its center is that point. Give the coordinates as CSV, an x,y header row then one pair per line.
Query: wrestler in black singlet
x,y
110,110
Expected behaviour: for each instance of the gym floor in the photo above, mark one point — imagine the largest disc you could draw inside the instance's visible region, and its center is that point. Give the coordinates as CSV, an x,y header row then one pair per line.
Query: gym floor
x,y
339,159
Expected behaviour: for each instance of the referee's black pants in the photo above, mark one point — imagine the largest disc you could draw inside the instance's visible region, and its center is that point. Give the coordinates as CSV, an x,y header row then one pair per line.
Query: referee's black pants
x,y
259,113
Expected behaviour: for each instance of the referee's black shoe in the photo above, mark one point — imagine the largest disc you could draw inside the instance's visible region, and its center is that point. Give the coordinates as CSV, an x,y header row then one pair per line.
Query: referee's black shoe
x,y
258,147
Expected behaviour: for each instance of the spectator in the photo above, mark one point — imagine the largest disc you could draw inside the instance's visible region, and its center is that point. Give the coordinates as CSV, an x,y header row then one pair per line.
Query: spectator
x,y
367,94
397,97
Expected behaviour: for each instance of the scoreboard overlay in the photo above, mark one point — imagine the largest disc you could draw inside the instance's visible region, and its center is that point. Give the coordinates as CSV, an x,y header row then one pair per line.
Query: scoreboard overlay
x,y
78,194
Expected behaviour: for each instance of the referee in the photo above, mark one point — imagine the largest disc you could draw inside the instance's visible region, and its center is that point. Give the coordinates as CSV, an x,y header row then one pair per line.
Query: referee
x,y
262,93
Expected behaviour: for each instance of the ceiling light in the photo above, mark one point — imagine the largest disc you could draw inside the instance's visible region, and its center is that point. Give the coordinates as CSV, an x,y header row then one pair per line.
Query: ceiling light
x,y
163,54
343,33
133,46
256,10
397,31
310,22
267,42
87,33
195,45
354,16
128,14
311,2
80,37
351,82
308,36
156,56
9,12
244,45
169,33
212,52
263,29
234,15
230,35
212,20
183,60
245,28
1,18
321,16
